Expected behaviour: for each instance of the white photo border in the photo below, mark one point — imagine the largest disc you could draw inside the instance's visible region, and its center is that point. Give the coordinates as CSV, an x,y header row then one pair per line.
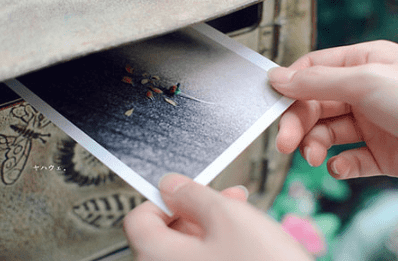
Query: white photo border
x,y
132,177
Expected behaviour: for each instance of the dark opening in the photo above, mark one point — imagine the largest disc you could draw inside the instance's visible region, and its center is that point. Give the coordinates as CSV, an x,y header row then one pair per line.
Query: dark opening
x,y
248,17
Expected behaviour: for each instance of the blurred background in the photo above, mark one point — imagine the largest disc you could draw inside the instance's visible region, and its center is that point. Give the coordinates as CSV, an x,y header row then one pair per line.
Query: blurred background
x,y
343,220
334,219
353,219
343,22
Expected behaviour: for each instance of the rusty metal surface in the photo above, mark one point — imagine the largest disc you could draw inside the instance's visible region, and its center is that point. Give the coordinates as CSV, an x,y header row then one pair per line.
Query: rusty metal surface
x,y
38,33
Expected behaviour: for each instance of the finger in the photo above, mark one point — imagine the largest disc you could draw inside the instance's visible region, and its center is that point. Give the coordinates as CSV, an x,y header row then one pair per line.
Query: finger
x,y
334,131
351,55
147,232
239,193
192,228
370,88
348,85
188,227
301,117
353,164
190,200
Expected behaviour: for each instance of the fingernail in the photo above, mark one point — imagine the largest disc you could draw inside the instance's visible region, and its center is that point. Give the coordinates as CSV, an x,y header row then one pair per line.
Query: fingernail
x,y
244,190
280,75
340,166
171,182
307,154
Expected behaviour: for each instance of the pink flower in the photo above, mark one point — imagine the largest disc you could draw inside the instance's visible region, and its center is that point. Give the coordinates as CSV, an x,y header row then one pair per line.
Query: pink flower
x,y
304,231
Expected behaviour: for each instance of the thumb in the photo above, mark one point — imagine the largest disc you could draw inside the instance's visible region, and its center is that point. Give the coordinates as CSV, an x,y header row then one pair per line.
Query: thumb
x,y
189,199
346,84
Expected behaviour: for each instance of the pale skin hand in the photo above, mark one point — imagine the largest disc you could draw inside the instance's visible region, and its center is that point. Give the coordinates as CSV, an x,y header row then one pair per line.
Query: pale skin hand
x,y
207,226
351,94
344,95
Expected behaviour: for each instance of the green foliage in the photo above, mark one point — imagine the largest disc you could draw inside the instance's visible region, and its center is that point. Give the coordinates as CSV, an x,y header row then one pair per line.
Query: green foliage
x,y
342,22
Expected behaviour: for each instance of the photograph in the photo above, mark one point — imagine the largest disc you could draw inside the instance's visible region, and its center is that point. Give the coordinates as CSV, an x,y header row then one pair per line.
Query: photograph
x,y
199,130
190,105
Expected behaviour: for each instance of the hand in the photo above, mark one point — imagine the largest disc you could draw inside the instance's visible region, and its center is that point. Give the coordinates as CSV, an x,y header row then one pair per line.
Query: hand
x,y
206,226
345,95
